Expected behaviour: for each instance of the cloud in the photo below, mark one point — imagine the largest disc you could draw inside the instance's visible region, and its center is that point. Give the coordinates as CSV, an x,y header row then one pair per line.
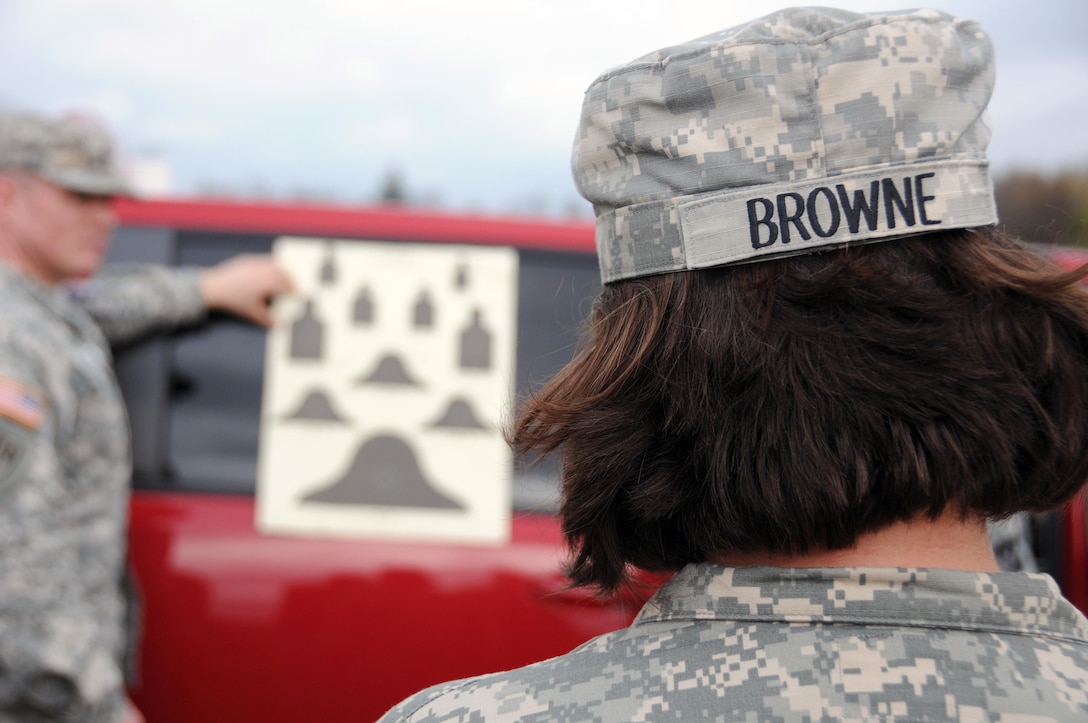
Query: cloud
x,y
474,101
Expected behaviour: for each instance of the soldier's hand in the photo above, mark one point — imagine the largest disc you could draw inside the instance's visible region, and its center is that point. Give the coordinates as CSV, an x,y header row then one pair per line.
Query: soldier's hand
x,y
244,285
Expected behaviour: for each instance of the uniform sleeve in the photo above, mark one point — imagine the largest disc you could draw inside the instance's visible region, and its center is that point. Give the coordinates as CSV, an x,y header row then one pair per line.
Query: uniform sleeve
x,y
127,300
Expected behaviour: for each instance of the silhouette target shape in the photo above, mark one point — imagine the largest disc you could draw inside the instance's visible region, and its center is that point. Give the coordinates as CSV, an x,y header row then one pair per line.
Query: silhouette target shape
x,y
384,473
316,406
307,334
390,370
459,415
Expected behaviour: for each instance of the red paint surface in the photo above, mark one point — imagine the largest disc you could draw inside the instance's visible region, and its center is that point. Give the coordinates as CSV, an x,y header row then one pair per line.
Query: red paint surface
x,y
372,222
1074,574
245,627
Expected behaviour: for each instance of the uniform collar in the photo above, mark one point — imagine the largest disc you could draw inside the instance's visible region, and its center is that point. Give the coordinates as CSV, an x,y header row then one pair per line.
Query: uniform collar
x,y
903,597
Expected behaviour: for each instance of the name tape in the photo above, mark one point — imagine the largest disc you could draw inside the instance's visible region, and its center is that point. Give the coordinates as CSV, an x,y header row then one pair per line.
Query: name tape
x,y
778,220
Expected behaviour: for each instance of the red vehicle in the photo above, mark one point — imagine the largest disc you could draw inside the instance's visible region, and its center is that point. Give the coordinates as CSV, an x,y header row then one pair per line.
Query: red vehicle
x,y
244,626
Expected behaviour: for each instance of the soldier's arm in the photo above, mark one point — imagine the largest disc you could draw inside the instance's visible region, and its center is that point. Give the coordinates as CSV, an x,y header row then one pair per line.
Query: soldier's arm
x,y
128,301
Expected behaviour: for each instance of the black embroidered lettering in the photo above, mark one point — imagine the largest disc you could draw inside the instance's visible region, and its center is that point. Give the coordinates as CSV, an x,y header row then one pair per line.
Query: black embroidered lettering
x,y
814,216
892,201
862,206
785,218
923,199
754,223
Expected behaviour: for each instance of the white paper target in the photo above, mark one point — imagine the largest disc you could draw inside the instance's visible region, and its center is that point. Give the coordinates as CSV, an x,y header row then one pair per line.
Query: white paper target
x,y
387,379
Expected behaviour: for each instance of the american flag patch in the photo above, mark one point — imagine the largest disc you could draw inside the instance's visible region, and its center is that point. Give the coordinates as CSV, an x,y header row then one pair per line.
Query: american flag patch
x,y
23,404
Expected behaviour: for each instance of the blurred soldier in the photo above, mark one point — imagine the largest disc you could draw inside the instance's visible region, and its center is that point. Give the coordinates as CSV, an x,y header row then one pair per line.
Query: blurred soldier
x,y
815,371
64,445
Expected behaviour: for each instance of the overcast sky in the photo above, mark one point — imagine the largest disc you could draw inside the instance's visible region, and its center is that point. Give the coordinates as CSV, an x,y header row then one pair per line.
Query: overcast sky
x,y
473,102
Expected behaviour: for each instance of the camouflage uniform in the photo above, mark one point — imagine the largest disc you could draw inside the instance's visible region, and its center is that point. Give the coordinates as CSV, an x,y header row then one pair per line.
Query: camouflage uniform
x,y
806,644
64,476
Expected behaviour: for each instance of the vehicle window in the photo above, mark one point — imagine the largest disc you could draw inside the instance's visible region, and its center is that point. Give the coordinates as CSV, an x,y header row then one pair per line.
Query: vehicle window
x,y
218,370
555,293
215,385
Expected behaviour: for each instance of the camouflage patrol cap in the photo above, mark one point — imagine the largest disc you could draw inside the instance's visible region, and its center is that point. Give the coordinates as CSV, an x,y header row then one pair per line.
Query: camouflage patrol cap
x,y
72,154
806,129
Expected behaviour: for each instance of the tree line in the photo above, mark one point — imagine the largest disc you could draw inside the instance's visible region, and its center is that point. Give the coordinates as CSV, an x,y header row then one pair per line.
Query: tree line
x,y
1046,209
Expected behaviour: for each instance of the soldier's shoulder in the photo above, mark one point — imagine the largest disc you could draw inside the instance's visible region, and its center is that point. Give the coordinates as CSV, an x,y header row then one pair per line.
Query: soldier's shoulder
x,y
558,682
28,331
22,313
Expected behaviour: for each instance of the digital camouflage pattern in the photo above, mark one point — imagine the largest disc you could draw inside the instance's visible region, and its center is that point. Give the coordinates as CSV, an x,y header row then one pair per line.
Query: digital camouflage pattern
x,y
73,154
806,644
129,300
64,489
808,128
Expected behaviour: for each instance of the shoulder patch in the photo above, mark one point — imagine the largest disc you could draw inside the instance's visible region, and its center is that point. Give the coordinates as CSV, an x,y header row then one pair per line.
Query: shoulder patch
x,y
21,403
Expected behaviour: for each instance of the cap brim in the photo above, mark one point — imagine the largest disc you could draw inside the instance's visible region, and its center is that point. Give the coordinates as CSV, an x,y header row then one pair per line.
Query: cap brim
x,y
98,184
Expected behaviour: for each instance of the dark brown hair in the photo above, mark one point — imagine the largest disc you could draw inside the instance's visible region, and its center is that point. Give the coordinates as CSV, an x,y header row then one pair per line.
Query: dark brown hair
x,y
792,405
